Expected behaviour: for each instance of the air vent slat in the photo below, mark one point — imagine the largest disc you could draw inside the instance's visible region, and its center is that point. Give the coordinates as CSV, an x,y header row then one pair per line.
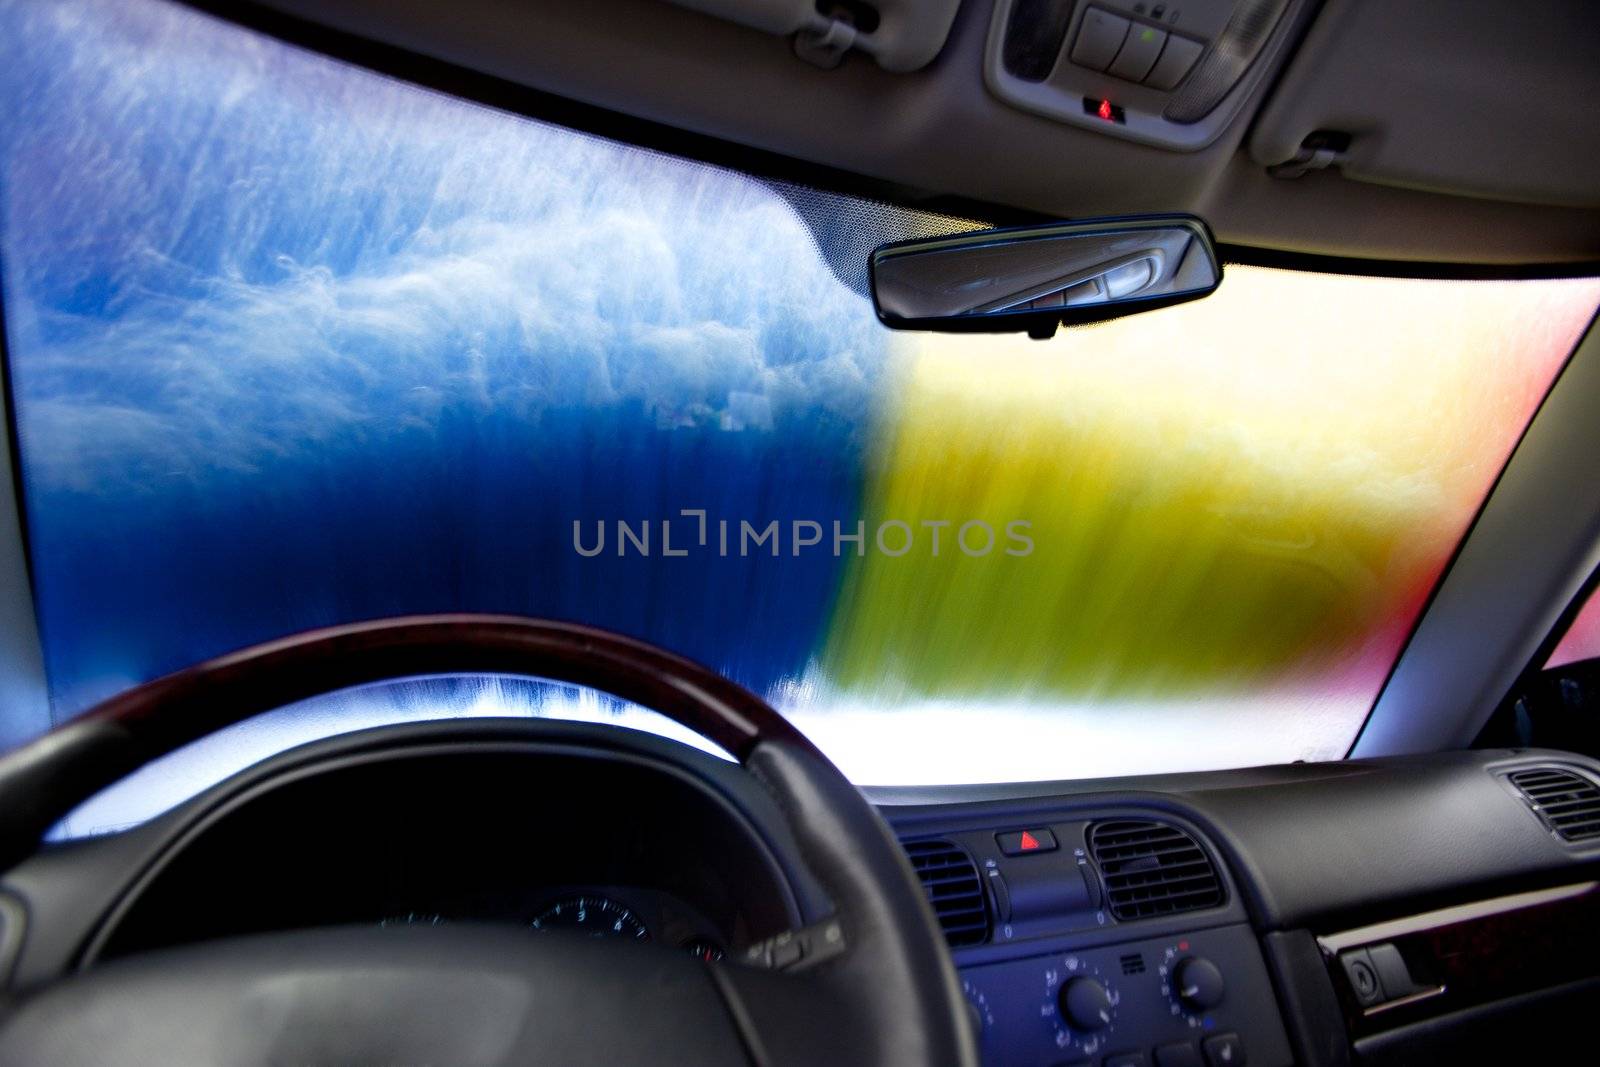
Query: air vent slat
x,y
1153,850
968,919
1567,803
1174,861
1539,777
1164,877
960,893
1144,898
1152,868
1548,787
1587,819
951,882
1584,803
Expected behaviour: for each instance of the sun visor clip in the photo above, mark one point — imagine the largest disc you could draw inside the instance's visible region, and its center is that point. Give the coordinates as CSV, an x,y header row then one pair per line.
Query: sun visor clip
x,y
1319,151
825,47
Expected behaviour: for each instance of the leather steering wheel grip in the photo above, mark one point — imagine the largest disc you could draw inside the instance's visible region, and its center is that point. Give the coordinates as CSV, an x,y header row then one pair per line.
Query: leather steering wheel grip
x,y
892,996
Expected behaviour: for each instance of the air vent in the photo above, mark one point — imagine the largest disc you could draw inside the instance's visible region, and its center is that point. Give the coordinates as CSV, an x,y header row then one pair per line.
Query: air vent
x,y
950,880
1567,803
1151,868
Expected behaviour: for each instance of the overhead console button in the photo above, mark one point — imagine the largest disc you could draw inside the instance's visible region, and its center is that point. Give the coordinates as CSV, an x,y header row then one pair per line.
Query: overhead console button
x,y
1175,61
1138,54
1100,36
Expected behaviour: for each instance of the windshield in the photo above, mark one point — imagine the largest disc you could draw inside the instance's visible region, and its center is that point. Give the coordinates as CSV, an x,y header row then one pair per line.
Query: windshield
x,y
293,344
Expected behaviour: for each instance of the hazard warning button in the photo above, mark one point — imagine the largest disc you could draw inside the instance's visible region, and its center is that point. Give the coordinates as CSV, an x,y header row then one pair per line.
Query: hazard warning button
x,y
1019,842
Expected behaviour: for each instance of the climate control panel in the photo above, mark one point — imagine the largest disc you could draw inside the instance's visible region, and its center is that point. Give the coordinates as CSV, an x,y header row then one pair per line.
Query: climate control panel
x,y
1200,998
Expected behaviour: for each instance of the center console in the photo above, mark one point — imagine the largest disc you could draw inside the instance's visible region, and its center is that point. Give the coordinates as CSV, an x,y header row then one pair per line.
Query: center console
x,y
1172,1001
1113,939
1429,909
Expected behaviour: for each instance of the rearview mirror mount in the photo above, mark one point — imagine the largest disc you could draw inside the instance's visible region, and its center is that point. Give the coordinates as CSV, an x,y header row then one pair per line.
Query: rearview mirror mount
x,y
1034,278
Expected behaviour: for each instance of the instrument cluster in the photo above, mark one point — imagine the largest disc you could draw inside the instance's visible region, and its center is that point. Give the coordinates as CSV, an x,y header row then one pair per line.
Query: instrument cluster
x,y
621,913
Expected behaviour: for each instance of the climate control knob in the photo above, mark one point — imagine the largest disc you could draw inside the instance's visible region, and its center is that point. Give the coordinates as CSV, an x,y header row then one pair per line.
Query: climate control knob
x,y
1085,1004
1198,983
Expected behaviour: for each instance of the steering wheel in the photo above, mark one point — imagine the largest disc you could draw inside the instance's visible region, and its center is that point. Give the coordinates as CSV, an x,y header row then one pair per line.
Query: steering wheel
x,y
870,984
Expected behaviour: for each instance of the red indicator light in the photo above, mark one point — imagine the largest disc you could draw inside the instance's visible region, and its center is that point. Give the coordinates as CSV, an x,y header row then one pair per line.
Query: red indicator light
x,y
1029,842
1104,110
1183,946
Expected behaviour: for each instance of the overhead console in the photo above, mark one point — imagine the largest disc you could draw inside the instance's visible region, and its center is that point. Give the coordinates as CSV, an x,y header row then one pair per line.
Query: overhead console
x,y
1171,74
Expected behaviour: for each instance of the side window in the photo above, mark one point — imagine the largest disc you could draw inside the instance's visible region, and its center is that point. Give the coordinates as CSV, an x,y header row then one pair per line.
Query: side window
x,y
1581,643
1557,705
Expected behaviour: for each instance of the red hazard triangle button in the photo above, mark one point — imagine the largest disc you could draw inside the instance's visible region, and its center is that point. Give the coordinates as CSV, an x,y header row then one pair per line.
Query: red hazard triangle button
x,y
1021,842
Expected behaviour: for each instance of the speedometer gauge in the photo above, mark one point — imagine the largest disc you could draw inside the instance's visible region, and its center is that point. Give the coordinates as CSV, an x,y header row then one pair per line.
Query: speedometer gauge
x,y
593,915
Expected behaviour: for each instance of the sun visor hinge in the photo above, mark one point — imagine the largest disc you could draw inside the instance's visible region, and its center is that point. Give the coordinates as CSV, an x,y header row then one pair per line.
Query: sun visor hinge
x,y
825,47
900,35
1319,151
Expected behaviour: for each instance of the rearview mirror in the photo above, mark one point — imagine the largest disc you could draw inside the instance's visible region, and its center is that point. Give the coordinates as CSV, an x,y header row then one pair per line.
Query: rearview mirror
x,y
1035,278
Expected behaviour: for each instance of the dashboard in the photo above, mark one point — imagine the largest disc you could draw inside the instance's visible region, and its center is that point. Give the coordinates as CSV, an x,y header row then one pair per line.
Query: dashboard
x,y
1413,910
1408,910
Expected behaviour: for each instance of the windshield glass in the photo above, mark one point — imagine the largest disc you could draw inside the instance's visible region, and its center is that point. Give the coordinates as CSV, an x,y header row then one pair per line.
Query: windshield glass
x,y
292,343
